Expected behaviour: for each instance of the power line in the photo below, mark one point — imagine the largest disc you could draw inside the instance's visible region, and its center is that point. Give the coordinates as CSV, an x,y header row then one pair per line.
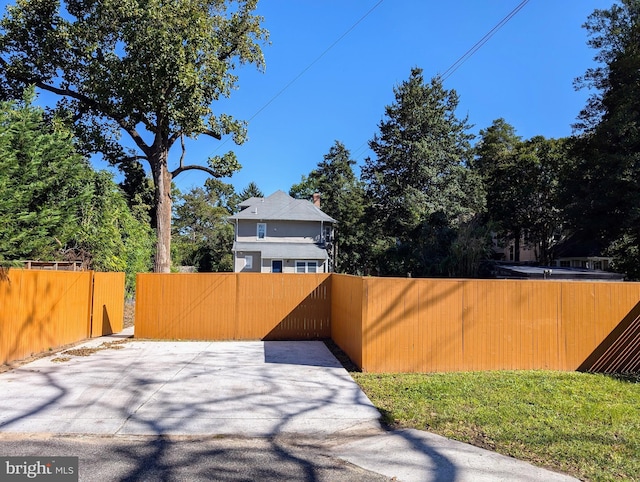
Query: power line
x,y
315,61
478,45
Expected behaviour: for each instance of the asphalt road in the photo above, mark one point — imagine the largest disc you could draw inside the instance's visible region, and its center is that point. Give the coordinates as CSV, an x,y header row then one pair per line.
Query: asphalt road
x,y
156,458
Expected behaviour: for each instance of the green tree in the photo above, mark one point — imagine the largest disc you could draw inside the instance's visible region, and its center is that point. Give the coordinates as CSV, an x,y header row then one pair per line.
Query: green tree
x,y
419,185
203,236
342,198
53,205
43,183
252,190
602,188
112,237
547,159
148,70
305,189
521,180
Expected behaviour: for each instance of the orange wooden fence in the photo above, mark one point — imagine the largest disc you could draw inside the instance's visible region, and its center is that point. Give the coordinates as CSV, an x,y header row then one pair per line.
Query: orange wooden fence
x,y
42,310
428,325
108,303
233,306
406,325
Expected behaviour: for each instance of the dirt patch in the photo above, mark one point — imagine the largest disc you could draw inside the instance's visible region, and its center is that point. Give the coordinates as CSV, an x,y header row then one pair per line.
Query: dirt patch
x,y
65,354
81,352
61,359
109,345
129,313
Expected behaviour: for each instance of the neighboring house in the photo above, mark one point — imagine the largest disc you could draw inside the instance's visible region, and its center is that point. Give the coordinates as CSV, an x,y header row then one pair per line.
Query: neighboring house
x,y
506,251
280,234
578,252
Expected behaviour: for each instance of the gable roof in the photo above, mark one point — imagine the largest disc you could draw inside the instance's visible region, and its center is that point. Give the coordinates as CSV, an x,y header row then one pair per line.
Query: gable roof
x,y
281,207
249,202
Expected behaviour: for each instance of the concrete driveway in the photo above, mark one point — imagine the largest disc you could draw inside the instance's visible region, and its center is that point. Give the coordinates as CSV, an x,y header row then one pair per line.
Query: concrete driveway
x,y
251,389
173,401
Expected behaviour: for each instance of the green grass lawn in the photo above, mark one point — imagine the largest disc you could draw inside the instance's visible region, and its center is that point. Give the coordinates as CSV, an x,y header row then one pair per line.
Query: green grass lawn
x,y
582,424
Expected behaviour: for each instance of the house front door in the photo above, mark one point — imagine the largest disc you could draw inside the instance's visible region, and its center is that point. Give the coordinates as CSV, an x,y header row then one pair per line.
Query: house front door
x,y
276,266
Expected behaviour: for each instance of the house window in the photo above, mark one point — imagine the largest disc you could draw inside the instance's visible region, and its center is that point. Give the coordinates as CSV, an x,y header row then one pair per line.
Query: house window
x,y
306,266
276,266
248,261
597,265
262,230
565,264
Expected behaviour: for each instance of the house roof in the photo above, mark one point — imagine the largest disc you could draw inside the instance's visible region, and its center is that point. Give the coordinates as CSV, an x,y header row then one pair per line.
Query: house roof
x,y
270,250
577,246
248,202
553,272
281,207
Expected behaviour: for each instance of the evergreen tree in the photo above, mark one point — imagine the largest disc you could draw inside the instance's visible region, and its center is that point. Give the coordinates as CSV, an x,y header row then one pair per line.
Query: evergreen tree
x,y
419,185
342,197
252,190
43,183
112,237
54,206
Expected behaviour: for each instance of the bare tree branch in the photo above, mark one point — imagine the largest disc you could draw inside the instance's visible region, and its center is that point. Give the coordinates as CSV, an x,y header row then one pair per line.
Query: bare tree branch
x,y
184,150
194,167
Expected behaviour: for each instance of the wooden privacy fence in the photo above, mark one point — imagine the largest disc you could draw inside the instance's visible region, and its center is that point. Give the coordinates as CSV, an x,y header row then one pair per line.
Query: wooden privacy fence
x,y
42,310
233,306
438,325
406,325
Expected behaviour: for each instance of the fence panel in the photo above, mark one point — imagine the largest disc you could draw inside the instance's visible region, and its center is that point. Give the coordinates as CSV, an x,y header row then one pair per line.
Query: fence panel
x,y
284,306
347,295
417,325
187,306
412,325
41,310
107,315
233,306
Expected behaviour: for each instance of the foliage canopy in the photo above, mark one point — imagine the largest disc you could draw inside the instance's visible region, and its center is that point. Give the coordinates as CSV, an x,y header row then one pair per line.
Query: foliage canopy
x,y
150,70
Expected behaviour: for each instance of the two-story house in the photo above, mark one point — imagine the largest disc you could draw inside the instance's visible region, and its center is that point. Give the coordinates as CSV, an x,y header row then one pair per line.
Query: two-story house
x,y
280,234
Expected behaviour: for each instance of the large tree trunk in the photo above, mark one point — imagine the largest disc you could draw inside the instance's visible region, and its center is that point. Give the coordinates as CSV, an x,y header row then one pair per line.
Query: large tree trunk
x,y
516,246
162,181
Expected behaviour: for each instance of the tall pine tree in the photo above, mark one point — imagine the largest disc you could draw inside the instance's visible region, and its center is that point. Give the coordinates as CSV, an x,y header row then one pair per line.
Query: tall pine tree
x,y
420,187
342,198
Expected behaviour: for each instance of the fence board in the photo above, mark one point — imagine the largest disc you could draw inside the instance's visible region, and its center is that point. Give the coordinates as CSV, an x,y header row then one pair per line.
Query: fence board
x,y
233,306
41,310
107,314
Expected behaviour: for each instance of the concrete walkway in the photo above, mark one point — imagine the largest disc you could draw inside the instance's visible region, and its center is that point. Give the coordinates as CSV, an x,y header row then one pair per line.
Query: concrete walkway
x,y
117,387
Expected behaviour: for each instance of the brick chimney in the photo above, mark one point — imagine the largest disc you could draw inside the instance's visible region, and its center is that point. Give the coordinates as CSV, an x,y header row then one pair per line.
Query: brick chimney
x,y
316,199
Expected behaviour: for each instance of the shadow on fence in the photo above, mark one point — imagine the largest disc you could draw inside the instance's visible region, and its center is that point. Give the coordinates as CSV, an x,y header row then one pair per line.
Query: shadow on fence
x,y
620,351
41,310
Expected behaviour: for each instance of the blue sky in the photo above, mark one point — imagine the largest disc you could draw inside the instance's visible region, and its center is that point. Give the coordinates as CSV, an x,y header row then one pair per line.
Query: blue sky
x,y
524,73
